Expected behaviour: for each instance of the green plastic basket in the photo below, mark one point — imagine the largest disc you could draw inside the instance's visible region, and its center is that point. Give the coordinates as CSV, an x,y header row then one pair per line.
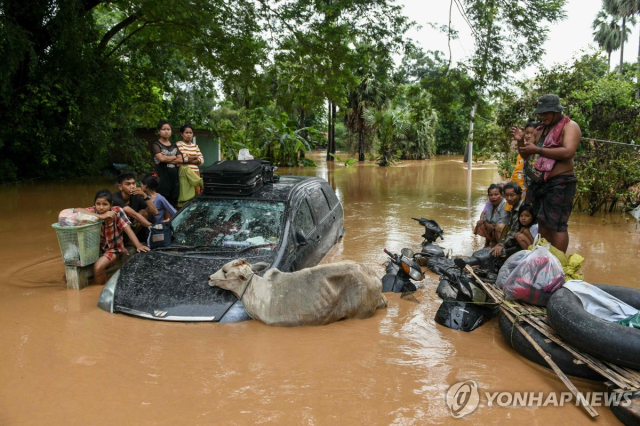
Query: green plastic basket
x,y
79,245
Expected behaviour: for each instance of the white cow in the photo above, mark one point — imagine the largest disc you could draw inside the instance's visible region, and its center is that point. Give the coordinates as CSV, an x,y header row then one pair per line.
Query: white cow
x,y
314,296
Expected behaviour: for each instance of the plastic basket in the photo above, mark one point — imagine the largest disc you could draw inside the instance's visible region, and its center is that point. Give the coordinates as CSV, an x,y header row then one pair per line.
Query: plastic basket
x,y
79,245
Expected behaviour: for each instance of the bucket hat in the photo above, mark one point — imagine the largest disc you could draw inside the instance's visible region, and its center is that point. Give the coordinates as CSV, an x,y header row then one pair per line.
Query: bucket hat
x,y
548,103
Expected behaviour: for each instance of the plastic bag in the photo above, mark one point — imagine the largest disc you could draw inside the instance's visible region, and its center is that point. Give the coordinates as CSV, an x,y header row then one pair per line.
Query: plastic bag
x,y
68,218
244,155
512,262
570,265
633,321
536,278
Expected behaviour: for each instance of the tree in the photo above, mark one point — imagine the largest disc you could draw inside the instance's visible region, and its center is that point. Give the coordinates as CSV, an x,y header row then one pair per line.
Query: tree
x,y
607,33
373,90
329,31
78,71
507,38
625,9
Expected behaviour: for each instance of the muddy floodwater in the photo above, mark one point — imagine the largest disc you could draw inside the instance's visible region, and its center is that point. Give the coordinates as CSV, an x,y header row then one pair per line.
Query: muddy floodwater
x,y
63,361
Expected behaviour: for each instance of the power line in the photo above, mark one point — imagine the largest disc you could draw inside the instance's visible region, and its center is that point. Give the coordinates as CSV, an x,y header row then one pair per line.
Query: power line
x,y
465,17
611,142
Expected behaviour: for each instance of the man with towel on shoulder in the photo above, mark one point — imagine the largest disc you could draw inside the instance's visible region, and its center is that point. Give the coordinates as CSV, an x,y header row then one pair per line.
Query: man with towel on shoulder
x,y
548,165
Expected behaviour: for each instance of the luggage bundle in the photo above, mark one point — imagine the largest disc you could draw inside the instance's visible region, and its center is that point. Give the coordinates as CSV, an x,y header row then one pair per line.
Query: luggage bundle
x,y
237,177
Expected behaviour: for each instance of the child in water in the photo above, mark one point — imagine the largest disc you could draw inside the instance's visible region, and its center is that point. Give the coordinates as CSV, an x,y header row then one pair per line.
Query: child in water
x,y
525,236
111,238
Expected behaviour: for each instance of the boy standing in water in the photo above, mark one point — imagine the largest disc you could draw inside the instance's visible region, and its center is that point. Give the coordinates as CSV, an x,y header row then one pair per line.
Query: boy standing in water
x,y
111,238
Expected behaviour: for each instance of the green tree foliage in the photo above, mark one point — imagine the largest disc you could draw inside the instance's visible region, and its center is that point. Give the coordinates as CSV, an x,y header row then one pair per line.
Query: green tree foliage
x,y
605,107
624,9
373,89
508,36
405,127
77,71
607,33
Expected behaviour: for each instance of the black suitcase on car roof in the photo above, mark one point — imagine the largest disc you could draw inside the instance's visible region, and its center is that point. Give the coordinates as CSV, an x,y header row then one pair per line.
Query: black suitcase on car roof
x,y
233,177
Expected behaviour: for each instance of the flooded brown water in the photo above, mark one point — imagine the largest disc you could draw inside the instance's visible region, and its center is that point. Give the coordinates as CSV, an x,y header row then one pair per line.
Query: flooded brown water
x,y
65,362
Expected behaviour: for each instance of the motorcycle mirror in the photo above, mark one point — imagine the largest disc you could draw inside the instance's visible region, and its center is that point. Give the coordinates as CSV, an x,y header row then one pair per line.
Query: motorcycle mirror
x,y
407,253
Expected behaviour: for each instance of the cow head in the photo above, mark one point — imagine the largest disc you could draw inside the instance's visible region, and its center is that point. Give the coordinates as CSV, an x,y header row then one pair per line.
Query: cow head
x,y
233,276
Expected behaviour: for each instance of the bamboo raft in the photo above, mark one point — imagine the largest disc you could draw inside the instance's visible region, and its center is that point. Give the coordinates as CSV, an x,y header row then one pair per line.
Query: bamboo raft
x,y
623,379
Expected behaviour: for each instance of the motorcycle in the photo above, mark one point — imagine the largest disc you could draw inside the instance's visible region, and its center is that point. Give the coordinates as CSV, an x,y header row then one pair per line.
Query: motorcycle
x,y
430,248
463,306
401,269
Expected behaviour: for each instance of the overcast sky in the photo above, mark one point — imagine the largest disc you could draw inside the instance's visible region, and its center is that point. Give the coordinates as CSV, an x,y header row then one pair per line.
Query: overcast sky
x,y
566,38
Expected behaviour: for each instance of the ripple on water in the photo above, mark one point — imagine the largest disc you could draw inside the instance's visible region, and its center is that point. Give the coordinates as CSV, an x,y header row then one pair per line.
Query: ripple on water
x,y
63,360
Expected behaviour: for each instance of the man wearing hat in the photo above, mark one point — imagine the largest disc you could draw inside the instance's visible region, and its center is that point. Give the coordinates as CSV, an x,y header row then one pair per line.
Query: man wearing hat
x,y
549,170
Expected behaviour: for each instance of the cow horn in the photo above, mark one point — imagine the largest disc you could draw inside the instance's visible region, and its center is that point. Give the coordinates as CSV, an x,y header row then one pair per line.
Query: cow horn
x,y
259,266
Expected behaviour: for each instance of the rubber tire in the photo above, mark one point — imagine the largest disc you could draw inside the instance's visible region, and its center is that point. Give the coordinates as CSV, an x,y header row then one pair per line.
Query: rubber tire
x,y
602,339
558,354
629,416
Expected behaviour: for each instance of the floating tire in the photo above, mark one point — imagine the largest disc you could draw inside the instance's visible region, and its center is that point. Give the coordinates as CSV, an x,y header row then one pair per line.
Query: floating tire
x,y
559,355
629,415
602,339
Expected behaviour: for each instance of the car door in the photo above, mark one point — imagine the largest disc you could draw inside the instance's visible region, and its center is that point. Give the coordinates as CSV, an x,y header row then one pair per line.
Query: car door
x,y
335,226
322,213
303,224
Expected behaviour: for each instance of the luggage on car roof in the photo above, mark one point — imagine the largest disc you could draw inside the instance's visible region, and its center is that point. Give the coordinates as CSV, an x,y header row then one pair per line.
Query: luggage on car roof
x,y
237,177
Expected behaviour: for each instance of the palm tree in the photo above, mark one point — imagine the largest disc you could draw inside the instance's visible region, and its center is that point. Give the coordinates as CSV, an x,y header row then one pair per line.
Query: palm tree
x,y
625,9
607,33
390,126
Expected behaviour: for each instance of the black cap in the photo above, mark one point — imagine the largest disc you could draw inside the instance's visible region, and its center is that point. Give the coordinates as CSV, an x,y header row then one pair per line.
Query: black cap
x,y
548,103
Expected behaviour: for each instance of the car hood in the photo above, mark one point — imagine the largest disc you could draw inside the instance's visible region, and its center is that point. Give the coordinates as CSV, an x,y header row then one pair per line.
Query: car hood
x,y
170,286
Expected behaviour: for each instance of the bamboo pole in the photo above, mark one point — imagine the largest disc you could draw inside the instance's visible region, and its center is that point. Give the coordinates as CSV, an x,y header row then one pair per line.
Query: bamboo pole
x,y
627,374
579,397
546,330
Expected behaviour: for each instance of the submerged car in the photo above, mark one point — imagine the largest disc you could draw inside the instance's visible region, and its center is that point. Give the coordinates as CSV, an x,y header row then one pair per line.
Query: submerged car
x,y
290,224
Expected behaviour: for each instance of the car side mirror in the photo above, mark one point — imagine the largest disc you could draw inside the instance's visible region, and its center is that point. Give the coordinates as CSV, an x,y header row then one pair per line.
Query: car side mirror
x,y
301,240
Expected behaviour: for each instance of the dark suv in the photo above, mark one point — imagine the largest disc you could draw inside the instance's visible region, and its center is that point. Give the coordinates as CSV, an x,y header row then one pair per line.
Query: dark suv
x,y
291,224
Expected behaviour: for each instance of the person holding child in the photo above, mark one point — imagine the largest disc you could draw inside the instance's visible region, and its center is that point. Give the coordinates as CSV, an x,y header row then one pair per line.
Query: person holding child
x,y
553,183
111,237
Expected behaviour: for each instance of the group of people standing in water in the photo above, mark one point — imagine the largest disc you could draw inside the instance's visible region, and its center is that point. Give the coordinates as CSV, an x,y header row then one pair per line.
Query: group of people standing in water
x,y
131,210
539,198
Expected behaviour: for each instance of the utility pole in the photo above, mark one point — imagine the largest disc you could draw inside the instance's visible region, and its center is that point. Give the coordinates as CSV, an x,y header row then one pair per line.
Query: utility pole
x,y
473,118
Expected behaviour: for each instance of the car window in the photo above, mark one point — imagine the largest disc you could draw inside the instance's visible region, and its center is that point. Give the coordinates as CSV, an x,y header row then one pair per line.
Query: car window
x,y
331,196
319,202
304,220
229,223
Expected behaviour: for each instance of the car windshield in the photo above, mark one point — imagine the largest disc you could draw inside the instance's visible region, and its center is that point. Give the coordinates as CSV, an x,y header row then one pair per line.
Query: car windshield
x,y
229,223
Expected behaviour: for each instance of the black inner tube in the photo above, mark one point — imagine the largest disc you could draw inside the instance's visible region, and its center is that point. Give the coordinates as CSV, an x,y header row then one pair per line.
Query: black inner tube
x,y
559,355
603,339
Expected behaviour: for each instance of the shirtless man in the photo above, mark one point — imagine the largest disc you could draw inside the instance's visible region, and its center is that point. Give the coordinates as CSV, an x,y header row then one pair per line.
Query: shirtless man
x,y
552,199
